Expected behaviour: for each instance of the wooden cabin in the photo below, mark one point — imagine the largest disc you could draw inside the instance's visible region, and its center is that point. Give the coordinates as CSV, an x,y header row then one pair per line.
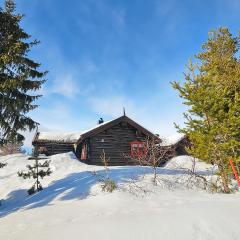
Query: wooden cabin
x,y
118,138
50,143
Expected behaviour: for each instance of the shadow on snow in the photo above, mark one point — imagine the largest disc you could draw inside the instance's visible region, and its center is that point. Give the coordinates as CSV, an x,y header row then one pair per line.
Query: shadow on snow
x,y
75,186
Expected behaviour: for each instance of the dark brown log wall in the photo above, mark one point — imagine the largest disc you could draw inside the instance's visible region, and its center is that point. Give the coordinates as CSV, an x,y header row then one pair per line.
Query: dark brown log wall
x,y
51,148
115,142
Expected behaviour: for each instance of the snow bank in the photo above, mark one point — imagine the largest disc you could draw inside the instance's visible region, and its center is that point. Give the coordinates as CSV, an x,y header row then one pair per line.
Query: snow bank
x,y
68,207
13,188
188,162
66,164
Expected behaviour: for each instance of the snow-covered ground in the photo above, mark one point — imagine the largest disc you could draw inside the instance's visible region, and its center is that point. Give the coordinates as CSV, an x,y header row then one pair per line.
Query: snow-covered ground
x,y
72,205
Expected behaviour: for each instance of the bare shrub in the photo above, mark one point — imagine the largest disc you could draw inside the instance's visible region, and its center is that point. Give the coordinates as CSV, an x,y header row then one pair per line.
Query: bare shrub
x,y
105,161
192,178
10,148
153,156
108,184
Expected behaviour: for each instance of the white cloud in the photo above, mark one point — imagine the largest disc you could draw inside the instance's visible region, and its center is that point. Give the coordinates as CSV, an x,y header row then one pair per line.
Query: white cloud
x,y
119,17
150,112
56,115
65,85
111,105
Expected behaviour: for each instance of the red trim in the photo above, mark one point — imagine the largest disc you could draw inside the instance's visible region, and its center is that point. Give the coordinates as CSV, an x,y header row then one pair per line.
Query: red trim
x,y
138,149
84,152
235,172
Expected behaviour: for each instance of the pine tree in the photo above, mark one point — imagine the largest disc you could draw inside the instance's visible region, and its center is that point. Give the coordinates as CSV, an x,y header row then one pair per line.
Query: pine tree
x,y
38,170
212,93
19,76
2,165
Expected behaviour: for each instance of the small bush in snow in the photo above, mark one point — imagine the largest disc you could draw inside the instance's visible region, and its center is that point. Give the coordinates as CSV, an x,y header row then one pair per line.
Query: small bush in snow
x,y
2,165
108,185
36,171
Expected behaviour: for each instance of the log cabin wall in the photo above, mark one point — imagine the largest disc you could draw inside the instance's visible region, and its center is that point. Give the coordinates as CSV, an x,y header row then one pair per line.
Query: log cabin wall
x,y
51,148
115,142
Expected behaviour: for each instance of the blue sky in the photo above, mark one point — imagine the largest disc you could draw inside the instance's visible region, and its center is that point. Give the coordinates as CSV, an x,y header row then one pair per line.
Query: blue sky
x,y
103,55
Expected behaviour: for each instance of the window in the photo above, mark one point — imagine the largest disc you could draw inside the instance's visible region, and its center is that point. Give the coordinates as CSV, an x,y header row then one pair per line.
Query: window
x,y
138,149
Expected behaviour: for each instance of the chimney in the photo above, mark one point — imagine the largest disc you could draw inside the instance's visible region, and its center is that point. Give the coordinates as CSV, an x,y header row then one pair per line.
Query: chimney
x,y
100,121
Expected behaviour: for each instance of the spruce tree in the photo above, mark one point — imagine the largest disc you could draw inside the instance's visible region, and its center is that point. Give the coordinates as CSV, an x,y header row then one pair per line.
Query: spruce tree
x,y
36,171
19,76
212,93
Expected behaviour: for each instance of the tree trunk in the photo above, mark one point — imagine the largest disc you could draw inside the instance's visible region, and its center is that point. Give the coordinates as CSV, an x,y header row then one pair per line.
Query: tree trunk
x,y
225,181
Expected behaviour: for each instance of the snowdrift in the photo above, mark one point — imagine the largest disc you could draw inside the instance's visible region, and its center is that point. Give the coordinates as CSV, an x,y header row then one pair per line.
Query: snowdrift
x,y
190,163
68,173
72,203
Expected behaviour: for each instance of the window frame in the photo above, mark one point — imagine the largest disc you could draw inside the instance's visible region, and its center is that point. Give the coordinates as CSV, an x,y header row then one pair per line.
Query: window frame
x,y
138,149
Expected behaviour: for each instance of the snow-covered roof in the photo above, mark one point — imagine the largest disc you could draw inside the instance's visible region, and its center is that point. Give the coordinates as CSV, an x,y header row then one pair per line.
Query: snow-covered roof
x,y
73,137
95,127
65,136
172,140
59,136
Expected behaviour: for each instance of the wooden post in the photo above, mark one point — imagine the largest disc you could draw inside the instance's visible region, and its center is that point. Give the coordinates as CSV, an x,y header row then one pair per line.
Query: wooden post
x,y
235,172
